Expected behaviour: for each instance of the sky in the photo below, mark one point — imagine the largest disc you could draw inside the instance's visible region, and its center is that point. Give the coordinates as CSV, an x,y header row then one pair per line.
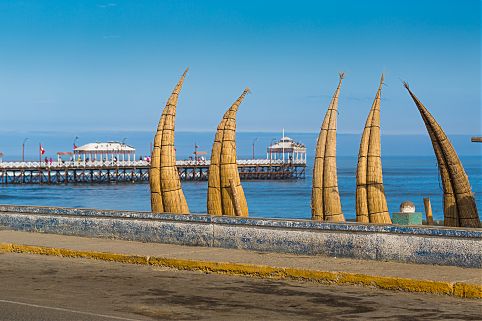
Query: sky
x,y
111,65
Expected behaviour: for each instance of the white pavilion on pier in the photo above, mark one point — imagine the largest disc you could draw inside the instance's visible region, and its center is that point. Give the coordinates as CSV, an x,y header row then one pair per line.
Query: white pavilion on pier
x,y
287,149
110,151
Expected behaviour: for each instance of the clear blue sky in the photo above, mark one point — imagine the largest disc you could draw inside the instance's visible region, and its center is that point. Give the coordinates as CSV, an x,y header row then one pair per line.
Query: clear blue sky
x,y
90,65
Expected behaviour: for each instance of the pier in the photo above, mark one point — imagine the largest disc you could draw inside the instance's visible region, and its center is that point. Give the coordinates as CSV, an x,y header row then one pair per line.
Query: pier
x,y
72,172
115,162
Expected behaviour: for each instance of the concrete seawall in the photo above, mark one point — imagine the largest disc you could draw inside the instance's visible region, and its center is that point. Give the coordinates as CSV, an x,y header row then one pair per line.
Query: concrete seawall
x,y
410,244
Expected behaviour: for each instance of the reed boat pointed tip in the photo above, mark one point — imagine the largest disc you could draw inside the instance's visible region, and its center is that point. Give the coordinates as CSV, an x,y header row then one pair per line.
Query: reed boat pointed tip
x,y
235,106
418,103
382,79
405,84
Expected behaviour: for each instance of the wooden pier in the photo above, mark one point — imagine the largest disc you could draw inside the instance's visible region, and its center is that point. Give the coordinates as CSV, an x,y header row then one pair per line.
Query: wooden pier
x,y
138,171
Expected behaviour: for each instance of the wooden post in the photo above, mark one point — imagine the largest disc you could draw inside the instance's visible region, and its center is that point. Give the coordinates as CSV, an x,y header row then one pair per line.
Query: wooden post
x,y
237,206
428,210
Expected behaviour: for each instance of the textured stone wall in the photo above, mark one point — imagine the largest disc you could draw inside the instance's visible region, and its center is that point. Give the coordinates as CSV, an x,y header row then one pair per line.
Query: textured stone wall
x,y
427,245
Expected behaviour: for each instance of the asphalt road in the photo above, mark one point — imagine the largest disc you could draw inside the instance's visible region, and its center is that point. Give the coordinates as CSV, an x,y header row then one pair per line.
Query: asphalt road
x,y
52,288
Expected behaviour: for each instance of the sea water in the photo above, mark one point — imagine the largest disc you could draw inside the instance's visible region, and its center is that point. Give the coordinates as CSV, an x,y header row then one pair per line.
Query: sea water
x,y
412,176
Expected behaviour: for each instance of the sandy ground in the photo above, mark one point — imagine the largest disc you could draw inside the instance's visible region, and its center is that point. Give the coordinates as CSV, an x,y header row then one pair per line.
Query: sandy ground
x,y
51,288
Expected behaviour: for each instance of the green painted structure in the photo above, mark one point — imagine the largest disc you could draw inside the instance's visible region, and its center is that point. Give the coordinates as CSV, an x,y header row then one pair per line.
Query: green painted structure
x,y
414,218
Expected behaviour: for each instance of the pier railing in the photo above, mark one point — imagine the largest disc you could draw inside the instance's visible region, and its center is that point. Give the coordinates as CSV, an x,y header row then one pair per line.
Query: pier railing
x,y
137,163
72,164
137,171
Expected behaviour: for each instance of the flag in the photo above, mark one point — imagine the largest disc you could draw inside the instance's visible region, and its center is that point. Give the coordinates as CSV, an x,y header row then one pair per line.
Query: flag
x,y
75,146
42,150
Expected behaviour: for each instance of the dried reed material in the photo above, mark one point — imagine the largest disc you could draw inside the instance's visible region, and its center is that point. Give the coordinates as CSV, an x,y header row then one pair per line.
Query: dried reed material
x,y
325,198
155,169
165,184
428,210
371,204
237,206
459,203
223,171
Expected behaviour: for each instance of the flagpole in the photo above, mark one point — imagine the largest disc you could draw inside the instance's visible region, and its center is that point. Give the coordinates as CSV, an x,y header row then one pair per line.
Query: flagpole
x,y
283,144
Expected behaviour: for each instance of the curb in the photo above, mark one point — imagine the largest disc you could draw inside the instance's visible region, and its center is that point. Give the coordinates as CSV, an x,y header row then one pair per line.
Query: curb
x,y
458,289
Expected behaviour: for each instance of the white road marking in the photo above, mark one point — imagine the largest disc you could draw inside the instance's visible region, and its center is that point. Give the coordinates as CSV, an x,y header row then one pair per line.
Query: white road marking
x,y
67,310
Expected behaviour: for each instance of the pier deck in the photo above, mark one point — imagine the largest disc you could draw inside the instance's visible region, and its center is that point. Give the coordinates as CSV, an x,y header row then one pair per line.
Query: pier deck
x,y
137,171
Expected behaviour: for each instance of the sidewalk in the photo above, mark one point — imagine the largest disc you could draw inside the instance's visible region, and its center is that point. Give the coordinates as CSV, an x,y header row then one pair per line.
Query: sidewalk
x,y
449,280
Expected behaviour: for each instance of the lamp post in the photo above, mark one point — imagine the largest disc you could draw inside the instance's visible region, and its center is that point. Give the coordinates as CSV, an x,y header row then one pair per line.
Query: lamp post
x,y
23,149
254,142
75,141
74,146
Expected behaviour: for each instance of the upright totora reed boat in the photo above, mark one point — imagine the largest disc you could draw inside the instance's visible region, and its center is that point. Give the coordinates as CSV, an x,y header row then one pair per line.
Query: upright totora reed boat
x,y
165,185
225,193
325,198
459,203
371,205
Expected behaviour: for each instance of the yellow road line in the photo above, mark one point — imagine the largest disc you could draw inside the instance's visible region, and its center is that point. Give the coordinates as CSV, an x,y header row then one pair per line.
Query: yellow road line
x,y
459,289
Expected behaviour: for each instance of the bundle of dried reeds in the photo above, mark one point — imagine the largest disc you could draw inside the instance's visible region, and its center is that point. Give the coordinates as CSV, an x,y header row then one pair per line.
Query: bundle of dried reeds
x,y
166,192
325,198
459,203
224,184
371,205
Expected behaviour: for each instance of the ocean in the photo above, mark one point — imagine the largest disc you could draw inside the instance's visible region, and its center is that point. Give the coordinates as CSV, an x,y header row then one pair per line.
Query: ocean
x,y
409,171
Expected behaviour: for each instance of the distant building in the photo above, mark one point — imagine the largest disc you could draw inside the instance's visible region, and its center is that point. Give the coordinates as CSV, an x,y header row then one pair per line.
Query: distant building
x,y
286,149
109,151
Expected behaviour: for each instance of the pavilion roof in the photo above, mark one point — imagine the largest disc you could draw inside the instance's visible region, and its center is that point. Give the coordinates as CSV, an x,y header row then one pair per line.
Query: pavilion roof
x,y
288,145
108,147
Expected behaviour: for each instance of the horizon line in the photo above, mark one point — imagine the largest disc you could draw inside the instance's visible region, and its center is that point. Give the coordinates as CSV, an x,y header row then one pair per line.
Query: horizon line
x,y
213,131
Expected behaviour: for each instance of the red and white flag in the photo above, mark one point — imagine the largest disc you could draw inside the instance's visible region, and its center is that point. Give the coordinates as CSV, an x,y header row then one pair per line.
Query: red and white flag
x,y
42,150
